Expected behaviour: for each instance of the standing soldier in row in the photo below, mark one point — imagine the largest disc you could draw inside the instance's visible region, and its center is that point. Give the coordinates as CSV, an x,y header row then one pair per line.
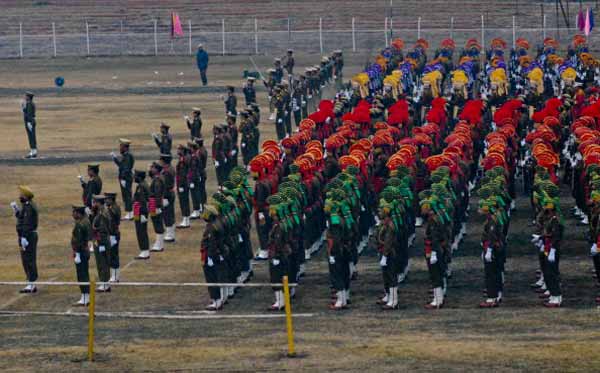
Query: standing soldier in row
x,y
278,73
125,162
195,124
289,63
249,137
219,154
280,110
387,242
28,108
279,252
198,180
168,203
27,237
303,86
492,242
297,99
140,214
155,207
211,252
249,91
101,233
552,231
232,132
270,84
164,140
114,212
435,239
183,186
230,101
81,255
92,187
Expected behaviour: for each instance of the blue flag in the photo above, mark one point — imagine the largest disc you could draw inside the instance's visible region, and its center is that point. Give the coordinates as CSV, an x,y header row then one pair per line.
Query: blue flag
x,y
591,20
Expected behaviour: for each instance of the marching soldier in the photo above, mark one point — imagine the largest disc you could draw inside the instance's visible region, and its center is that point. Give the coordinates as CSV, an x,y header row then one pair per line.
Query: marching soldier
x,y
140,214
211,251
164,140
101,233
168,203
270,84
92,187
280,109
492,242
552,231
81,254
297,100
155,206
386,246
435,239
249,138
289,63
183,185
303,87
278,73
114,212
230,101
195,124
198,181
279,252
232,132
249,91
219,154
28,108
125,162
27,237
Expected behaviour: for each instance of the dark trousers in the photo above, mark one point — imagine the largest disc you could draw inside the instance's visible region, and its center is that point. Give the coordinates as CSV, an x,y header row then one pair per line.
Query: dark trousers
x,y
83,271
198,193
29,257
222,172
31,135
203,76
126,193
114,254
246,248
436,271
213,274
169,211
390,272
183,193
552,275
102,261
596,260
280,125
288,123
297,117
262,231
493,274
157,222
339,273
141,232
276,272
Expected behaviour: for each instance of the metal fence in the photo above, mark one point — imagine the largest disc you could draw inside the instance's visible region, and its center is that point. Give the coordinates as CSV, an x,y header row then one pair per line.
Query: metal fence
x,y
248,36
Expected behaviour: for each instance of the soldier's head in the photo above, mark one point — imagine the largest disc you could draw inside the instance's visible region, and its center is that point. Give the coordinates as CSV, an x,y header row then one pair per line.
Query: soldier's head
x,y
78,212
290,52
124,145
251,80
210,213
111,198
182,150
164,128
155,169
216,129
25,194
196,111
277,62
139,176
199,141
230,90
93,169
165,159
98,201
29,96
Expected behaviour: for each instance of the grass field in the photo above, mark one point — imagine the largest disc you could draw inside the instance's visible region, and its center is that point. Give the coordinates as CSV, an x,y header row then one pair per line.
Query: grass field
x,y
82,123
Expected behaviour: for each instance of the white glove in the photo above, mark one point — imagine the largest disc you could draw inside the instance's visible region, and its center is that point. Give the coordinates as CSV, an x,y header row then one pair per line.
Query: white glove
x,y
14,206
221,258
101,248
383,261
113,155
261,216
80,179
209,262
192,185
327,223
225,160
91,247
234,152
540,246
331,260
433,258
113,241
488,255
362,208
165,202
303,103
535,238
24,243
88,211
275,262
552,255
240,239
154,135
180,190
216,163
186,117
77,258
243,145
158,211
29,126
143,219
123,183
594,249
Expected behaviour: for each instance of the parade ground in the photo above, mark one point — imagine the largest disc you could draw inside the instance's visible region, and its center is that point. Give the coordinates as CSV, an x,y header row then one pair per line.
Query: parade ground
x,y
166,328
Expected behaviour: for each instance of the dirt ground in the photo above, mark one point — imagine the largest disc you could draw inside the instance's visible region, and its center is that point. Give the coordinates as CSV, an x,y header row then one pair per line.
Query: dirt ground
x,y
81,123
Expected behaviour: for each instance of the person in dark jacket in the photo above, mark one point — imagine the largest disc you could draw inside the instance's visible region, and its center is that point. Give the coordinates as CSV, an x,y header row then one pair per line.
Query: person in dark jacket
x,y
202,62
194,124
28,108
27,223
230,101
163,140
125,163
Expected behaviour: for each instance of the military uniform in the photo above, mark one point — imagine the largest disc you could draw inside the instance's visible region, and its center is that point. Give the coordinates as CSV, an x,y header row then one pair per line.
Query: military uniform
x,y
232,132
289,62
92,187
552,231
387,240
249,91
30,123
140,214
198,178
231,101
168,203
155,206
183,185
101,233
125,162
164,141
114,212
279,252
219,155
81,255
195,124
249,138
435,238
27,237
211,251
492,242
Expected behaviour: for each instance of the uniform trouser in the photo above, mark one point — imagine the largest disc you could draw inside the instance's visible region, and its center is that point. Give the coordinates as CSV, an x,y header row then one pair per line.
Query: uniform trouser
x,y
213,274
222,173
183,193
280,126
102,260
402,257
31,137
169,211
339,273
198,193
262,231
141,232
276,272
203,76
157,222
232,262
390,272
297,117
83,271
246,246
305,111
552,276
29,257
493,274
234,158
436,271
288,123
126,193
114,253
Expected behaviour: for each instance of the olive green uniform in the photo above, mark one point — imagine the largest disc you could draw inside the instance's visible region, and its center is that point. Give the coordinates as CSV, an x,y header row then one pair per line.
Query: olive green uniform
x,y
79,243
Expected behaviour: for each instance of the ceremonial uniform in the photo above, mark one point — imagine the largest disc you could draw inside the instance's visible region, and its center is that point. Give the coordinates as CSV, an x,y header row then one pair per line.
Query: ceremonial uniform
x,y
232,132
435,236
168,203
164,141
92,187
27,237
125,162
30,123
195,125
231,101
198,179
155,206
81,254
249,91
219,155
492,242
289,62
101,233
387,240
114,212
552,231
279,251
249,139
183,185
140,214
211,251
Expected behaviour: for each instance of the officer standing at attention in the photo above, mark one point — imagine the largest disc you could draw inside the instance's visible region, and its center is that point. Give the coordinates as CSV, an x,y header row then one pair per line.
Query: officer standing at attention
x,y
27,223
28,108
125,162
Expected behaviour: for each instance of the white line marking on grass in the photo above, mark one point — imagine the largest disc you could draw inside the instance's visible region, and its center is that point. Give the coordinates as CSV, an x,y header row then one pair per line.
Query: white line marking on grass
x,y
142,315
14,299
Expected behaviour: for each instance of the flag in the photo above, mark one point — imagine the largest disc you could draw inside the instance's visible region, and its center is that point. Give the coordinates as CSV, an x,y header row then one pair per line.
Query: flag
x,y
176,29
587,28
580,20
591,20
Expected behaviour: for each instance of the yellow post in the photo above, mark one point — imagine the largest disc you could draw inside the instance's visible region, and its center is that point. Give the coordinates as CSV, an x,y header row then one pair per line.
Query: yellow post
x,y
288,318
91,307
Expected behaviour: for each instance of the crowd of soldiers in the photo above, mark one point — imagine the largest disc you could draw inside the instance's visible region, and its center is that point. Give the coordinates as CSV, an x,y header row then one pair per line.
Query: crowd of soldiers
x,y
403,146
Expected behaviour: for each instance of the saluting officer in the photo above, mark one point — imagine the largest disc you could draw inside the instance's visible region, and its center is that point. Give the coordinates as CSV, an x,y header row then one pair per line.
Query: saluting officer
x,y
27,237
164,140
